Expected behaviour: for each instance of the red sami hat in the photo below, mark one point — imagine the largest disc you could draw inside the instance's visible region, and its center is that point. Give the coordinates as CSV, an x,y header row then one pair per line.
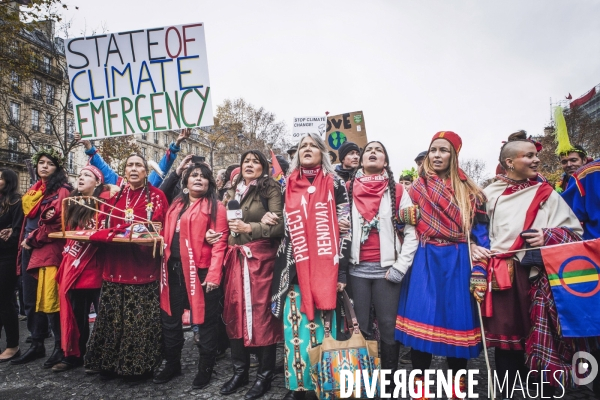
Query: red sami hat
x,y
456,142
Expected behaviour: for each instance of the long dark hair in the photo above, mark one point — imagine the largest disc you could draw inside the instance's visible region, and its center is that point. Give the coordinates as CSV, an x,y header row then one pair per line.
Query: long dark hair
x,y
9,194
146,184
391,181
78,216
264,183
211,194
58,179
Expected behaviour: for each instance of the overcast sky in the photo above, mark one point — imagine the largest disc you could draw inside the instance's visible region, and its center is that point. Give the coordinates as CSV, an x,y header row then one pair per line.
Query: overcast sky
x,y
481,68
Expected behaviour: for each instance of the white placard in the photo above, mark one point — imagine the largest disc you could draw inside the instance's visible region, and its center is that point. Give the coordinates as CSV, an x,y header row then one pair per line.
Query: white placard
x,y
304,125
145,80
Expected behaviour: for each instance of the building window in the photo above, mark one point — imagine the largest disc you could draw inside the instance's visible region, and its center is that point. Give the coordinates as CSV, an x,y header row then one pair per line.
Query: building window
x,y
50,94
13,147
35,120
196,150
166,137
48,124
36,89
155,137
70,127
15,113
14,80
144,152
156,156
47,62
189,146
71,162
144,136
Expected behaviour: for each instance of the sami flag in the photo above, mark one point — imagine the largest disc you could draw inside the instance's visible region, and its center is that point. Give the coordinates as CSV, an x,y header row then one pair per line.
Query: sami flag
x,y
276,171
574,276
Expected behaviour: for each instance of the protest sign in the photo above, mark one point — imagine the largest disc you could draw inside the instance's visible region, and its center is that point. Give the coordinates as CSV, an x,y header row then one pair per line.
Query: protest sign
x,y
304,125
140,81
348,127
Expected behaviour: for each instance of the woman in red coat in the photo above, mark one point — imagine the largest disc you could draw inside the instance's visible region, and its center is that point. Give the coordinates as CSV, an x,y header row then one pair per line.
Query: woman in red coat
x,y
80,276
40,256
192,270
127,335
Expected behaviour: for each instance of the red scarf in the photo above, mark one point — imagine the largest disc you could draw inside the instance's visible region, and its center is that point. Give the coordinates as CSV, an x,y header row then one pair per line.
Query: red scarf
x,y
440,217
193,224
32,200
367,192
315,244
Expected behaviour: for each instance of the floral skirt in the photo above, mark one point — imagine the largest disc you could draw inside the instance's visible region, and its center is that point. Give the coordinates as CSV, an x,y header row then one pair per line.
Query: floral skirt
x,y
127,335
300,335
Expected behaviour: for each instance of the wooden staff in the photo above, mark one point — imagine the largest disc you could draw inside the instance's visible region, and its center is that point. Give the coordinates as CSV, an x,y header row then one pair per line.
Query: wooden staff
x,y
487,360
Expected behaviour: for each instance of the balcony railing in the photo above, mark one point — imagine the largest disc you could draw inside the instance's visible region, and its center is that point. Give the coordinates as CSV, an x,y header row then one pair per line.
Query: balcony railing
x,y
49,70
12,156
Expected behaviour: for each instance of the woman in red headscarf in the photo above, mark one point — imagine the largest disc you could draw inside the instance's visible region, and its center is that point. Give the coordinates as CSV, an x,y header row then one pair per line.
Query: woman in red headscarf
x,y
79,275
436,313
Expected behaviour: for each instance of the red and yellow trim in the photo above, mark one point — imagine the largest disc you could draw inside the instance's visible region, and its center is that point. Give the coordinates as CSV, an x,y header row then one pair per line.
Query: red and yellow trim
x,y
431,333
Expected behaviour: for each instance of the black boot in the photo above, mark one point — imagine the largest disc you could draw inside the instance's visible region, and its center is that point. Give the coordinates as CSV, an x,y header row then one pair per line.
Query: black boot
x,y
389,361
35,351
56,356
172,367
264,376
205,370
294,395
240,358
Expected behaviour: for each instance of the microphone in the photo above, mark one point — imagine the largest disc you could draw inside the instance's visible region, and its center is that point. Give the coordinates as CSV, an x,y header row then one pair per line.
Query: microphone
x,y
234,212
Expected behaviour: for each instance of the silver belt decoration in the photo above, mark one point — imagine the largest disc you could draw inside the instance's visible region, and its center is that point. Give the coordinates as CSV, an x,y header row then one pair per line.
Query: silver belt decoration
x,y
247,292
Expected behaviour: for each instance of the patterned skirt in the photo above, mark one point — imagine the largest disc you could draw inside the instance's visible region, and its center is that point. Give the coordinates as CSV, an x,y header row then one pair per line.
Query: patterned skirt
x,y
300,334
127,335
436,312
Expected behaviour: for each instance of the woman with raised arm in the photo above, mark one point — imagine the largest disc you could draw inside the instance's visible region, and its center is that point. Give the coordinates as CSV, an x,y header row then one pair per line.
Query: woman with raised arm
x,y
40,256
249,266
127,336
192,269
310,268
11,220
80,276
436,314
378,260
520,318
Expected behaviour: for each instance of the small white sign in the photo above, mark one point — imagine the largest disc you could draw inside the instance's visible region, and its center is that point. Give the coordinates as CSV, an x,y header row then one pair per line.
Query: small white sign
x,y
304,125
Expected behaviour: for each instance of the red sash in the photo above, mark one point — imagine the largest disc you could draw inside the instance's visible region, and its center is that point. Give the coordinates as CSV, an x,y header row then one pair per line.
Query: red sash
x,y
315,244
191,241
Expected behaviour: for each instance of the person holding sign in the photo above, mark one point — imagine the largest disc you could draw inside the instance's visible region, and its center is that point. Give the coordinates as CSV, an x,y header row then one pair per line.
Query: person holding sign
x,y
40,256
436,314
313,259
127,336
192,270
519,310
249,265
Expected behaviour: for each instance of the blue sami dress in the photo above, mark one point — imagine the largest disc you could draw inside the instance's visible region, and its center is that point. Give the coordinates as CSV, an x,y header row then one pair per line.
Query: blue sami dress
x,y
436,312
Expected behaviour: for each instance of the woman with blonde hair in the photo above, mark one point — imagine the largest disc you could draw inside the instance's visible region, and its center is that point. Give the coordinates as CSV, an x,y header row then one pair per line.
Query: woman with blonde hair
x,y
436,314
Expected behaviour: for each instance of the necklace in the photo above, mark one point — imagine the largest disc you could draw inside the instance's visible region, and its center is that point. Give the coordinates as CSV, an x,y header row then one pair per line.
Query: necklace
x,y
129,209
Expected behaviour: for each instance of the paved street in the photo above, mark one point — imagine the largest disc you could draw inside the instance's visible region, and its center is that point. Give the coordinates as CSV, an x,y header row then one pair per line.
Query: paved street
x,y
31,381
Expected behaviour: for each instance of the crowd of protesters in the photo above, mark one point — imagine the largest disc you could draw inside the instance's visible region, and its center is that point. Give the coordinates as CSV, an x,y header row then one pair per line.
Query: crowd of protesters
x,y
414,255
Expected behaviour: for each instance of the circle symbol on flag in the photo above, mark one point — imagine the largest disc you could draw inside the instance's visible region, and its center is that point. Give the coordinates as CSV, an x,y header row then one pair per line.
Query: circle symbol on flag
x,y
336,139
565,285
311,189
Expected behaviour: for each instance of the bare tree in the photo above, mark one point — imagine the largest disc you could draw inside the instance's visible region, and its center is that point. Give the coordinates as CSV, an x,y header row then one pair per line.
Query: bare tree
x,y
475,169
